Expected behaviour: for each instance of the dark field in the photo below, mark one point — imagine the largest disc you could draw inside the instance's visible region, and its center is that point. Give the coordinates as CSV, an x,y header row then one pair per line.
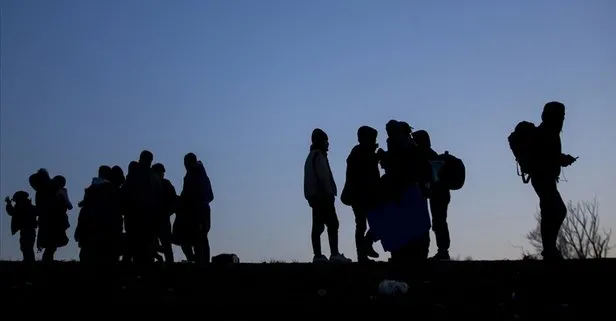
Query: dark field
x,y
494,290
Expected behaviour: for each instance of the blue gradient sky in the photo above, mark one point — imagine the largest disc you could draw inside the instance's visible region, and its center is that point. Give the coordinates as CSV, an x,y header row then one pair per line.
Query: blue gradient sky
x,y
243,83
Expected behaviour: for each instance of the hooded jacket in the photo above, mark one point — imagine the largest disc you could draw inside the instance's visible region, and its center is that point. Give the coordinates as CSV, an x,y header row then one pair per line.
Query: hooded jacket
x,y
362,176
318,179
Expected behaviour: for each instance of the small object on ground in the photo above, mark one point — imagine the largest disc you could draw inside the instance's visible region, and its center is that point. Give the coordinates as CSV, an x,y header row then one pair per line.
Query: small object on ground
x,y
392,288
322,292
226,258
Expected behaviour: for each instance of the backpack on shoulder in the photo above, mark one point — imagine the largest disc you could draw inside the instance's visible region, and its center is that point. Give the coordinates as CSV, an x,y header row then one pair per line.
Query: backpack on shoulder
x,y
521,143
452,172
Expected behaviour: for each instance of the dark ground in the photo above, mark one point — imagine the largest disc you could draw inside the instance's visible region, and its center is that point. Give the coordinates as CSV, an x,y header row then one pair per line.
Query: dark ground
x,y
493,290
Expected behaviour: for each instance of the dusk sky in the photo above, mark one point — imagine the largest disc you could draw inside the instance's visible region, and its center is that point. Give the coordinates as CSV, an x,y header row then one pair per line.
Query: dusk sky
x,y
243,83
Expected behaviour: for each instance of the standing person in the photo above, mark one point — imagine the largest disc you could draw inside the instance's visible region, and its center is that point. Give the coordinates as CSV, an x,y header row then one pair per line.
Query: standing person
x,y
51,212
193,221
143,189
360,189
169,202
320,192
23,220
538,151
440,197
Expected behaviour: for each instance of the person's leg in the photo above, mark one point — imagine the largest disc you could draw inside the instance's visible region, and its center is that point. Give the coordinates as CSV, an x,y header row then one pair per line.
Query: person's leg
x,y
202,246
332,224
189,253
27,238
164,233
439,204
48,254
363,240
553,212
360,233
318,227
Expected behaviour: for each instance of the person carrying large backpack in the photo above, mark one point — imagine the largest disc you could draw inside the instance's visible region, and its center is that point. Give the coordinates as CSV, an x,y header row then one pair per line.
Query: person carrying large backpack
x,y
450,176
538,152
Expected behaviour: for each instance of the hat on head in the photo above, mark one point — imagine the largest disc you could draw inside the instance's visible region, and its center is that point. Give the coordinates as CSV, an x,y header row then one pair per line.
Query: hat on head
x,y
318,136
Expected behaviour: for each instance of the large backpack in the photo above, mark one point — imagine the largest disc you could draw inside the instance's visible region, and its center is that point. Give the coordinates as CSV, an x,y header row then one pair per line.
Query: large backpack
x,y
521,143
453,171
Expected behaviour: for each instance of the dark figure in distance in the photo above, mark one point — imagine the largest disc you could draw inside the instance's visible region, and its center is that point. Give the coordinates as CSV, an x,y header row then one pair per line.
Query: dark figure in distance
x,y
440,196
23,220
548,161
169,205
193,218
51,211
320,192
360,189
99,226
405,165
144,192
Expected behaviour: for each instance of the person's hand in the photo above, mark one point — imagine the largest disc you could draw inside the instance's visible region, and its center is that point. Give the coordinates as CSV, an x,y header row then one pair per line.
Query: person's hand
x,y
7,200
567,160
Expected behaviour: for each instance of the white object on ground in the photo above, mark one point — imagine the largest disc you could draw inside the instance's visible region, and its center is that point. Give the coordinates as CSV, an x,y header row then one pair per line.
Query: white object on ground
x,y
391,287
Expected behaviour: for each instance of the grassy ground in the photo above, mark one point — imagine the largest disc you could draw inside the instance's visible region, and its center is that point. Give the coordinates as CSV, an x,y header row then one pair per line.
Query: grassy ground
x,y
442,290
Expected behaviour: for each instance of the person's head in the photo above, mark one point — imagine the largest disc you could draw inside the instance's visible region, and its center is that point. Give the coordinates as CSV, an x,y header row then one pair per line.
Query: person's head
x,y
117,176
320,140
40,180
190,161
405,128
146,158
104,172
21,197
392,128
133,166
367,135
554,115
59,181
422,138
159,170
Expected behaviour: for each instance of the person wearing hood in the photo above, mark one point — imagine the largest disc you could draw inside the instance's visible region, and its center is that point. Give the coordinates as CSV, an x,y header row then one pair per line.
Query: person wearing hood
x,y
440,196
320,192
23,220
549,160
193,220
99,226
360,189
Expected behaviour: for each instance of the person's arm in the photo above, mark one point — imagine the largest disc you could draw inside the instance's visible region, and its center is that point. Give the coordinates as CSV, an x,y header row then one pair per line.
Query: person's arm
x,y
322,174
9,206
66,199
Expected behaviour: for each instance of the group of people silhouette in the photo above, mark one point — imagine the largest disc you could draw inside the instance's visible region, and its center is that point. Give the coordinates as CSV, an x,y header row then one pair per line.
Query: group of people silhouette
x,y
121,217
127,218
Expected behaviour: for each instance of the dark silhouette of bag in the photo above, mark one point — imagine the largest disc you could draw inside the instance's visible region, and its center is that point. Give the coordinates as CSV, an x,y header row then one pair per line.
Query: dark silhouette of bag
x,y
521,143
453,172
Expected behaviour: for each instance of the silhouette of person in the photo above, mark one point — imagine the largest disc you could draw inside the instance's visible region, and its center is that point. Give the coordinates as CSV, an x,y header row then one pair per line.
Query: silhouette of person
x,y
360,189
130,207
23,220
144,191
193,219
51,211
320,192
548,161
405,166
440,196
169,204
99,226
